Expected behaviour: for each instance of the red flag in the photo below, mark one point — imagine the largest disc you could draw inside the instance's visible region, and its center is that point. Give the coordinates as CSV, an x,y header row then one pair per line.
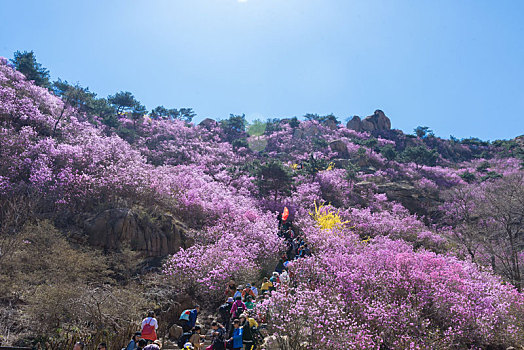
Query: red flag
x,y
285,214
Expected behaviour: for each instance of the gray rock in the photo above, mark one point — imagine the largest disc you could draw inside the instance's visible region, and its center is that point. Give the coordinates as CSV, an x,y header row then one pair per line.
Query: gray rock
x,y
114,227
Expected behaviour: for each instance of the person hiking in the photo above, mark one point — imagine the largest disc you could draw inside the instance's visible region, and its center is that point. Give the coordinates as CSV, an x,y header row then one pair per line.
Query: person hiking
x,y
238,308
280,266
78,346
247,333
236,337
274,281
238,292
254,289
250,305
102,346
218,336
231,288
142,343
188,318
133,343
157,345
149,327
284,277
266,285
247,292
225,312
196,337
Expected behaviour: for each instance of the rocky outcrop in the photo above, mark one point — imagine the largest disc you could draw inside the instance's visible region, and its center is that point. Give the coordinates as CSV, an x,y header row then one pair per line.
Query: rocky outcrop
x,y
155,236
376,122
355,123
415,200
208,123
340,147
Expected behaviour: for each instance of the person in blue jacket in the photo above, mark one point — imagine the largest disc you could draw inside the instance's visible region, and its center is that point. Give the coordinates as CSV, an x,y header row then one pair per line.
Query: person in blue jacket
x,y
193,317
236,337
188,319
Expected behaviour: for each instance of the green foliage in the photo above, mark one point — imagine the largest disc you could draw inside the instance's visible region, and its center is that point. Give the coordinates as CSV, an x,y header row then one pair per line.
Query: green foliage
x,y
483,167
273,178
490,175
234,127
420,155
352,171
322,118
314,165
240,143
468,177
161,112
389,152
25,62
423,131
257,128
474,141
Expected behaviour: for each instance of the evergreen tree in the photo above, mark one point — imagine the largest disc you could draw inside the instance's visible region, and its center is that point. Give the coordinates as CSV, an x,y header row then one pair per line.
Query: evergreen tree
x,y
25,62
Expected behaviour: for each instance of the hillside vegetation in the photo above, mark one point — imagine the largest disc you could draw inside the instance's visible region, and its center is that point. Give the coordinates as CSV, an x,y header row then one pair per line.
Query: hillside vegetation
x,y
107,210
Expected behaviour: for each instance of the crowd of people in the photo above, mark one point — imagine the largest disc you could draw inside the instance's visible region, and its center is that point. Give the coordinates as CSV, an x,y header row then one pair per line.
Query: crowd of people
x,y
238,326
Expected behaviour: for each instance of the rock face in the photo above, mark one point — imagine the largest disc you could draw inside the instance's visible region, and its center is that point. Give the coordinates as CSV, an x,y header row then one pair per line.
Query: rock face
x,y
415,200
208,123
340,147
111,228
355,123
375,122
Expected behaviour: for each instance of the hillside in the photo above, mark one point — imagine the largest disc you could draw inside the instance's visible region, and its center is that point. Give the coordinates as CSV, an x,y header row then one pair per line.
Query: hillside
x,y
416,241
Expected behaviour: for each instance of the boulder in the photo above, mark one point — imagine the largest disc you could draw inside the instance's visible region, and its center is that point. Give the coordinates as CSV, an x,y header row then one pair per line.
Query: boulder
x,y
355,123
175,331
208,123
415,200
340,147
379,120
368,125
376,122
158,236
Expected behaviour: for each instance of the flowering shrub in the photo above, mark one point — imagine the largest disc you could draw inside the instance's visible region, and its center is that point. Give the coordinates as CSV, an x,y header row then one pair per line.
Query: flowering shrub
x,y
385,293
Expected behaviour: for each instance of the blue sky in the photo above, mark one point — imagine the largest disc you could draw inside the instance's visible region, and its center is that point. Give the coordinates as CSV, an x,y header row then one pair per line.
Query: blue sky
x,y
455,66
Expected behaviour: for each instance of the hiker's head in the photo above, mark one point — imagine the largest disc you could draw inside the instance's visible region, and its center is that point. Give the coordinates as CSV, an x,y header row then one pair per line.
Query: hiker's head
x,y
197,308
243,318
150,313
142,343
78,346
158,343
230,300
198,329
266,279
102,346
236,323
248,286
137,336
214,325
238,298
249,298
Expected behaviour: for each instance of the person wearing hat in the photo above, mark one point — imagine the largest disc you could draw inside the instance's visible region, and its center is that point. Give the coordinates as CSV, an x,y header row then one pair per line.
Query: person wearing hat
x,y
225,312
247,332
238,293
157,345
188,346
133,344
247,291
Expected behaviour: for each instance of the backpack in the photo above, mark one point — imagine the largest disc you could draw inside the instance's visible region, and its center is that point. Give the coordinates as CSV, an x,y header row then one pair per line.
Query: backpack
x,y
239,311
184,338
185,315
149,332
